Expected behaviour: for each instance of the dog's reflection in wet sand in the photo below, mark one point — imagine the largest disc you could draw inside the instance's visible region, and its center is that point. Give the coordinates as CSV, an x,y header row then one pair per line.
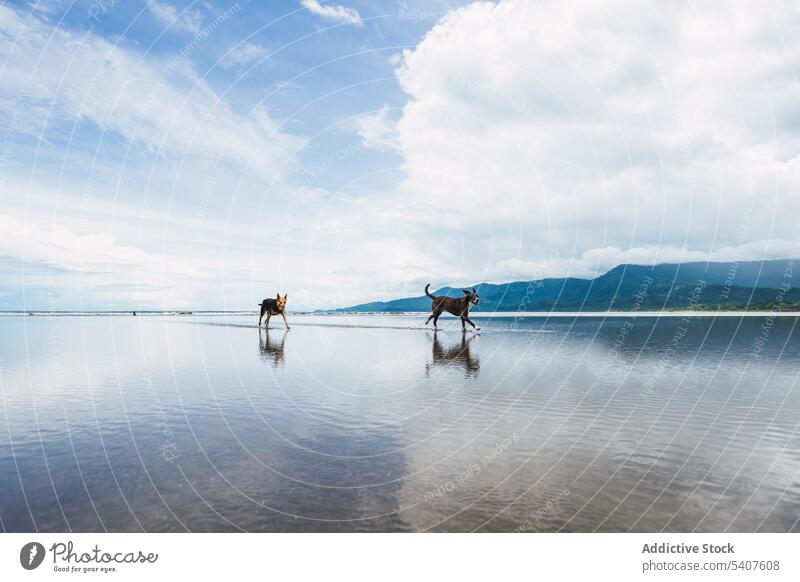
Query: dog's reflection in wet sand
x,y
457,354
271,346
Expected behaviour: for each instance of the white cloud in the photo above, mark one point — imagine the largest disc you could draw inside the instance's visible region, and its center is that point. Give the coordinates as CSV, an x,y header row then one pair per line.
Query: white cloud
x,y
59,245
537,140
377,130
189,20
333,12
544,129
244,53
595,262
93,267
164,107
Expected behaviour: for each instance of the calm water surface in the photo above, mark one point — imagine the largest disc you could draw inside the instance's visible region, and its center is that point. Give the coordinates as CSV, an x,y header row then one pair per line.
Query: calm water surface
x,y
367,423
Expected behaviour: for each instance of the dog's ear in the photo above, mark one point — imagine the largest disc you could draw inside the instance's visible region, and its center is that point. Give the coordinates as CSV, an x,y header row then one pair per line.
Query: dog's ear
x,y
285,297
279,295
473,290
465,292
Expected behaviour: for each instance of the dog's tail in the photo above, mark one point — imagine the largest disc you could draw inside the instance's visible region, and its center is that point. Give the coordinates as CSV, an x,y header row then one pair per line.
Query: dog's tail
x,y
428,293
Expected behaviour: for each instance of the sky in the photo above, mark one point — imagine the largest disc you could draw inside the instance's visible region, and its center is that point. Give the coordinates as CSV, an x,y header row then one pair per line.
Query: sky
x,y
206,155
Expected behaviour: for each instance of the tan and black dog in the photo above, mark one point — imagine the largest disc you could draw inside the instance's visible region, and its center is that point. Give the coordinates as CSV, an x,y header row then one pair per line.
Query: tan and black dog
x,y
457,306
273,307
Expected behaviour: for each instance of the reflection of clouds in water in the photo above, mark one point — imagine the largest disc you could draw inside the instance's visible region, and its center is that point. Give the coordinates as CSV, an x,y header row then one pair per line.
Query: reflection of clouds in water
x,y
291,487
301,429
702,427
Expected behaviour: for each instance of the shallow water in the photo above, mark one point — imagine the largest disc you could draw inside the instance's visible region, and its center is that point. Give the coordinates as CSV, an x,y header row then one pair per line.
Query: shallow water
x,y
369,423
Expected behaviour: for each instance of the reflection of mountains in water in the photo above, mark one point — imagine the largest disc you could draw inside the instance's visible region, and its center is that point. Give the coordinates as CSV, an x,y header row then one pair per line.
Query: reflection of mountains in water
x,y
646,287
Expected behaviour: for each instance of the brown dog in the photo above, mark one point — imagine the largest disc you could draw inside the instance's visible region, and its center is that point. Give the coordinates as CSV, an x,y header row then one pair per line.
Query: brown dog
x,y
273,307
459,307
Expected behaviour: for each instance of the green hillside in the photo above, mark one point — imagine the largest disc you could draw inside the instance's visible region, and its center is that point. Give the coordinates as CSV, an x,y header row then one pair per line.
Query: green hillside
x,y
743,285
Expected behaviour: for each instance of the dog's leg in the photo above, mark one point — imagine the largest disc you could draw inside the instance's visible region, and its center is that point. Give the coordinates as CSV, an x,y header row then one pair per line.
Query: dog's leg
x,y
436,319
469,321
266,325
463,326
260,317
286,323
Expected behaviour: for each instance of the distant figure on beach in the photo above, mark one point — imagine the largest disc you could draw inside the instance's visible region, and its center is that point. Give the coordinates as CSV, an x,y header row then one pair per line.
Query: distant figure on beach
x,y
272,307
134,314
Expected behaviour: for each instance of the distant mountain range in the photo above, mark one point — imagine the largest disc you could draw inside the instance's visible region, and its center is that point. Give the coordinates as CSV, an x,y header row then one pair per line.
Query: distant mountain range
x,y
697,285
